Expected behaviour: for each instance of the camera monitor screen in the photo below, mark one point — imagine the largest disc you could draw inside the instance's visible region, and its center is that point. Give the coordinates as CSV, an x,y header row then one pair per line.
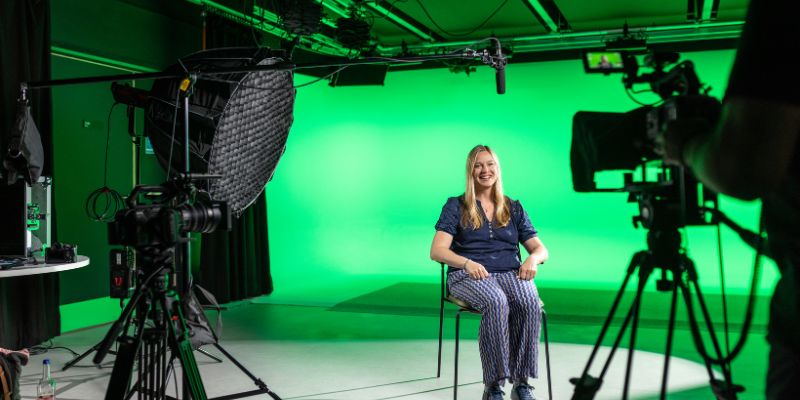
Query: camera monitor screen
x,y
603,61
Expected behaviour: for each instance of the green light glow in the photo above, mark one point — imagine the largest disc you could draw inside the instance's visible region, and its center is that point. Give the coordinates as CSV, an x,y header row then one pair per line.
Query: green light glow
x,y
367,169
544,15
98,60
706,12
89,313
401,22
331,5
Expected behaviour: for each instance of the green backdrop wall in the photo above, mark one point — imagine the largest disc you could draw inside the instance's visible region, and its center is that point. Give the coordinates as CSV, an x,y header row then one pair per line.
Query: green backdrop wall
x,y
367,169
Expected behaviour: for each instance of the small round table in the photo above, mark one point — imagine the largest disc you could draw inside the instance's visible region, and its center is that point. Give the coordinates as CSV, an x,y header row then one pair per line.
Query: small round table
x,y
44,268
22,330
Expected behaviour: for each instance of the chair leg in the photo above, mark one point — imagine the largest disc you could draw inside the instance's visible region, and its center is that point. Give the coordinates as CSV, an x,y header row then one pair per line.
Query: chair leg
x,y
455,373
547,355
441,324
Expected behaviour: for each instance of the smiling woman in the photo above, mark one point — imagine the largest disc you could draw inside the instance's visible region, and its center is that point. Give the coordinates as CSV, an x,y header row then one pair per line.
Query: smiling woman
x,y
478,235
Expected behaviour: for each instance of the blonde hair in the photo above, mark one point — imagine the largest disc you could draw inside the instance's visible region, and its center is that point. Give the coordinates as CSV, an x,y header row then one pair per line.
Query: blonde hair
x,y
470,216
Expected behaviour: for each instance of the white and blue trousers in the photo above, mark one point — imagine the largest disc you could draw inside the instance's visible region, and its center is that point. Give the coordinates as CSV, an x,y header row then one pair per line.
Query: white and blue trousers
x,y
508,337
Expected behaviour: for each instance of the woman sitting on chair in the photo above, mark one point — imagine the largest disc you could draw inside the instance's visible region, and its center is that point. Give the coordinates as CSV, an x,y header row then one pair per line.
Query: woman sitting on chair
x,y
478,236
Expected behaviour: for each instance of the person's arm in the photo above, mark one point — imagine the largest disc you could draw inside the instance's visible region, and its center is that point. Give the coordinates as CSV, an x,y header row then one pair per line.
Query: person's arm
x,y
749,152
537,254
440,251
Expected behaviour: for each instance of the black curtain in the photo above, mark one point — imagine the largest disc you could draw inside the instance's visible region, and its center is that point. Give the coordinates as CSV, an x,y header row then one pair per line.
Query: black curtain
x,y
235,265
28,305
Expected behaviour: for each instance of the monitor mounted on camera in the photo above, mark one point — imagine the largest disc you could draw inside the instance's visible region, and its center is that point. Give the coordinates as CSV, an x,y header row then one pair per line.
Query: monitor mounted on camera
x,y
668,196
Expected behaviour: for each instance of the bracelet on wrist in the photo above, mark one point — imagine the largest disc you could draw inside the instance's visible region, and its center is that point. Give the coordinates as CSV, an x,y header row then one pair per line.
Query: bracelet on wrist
x,y
466,260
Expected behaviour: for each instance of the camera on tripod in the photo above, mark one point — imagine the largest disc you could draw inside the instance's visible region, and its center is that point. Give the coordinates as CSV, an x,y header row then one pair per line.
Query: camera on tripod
x,y
669,198
603,141
157,216
156,224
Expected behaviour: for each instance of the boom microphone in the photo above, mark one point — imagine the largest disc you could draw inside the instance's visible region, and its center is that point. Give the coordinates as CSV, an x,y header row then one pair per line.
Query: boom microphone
x,y
500,79
499,64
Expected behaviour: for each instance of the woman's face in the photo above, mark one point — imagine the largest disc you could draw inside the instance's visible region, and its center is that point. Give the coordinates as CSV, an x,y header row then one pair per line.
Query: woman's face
x,y
485,171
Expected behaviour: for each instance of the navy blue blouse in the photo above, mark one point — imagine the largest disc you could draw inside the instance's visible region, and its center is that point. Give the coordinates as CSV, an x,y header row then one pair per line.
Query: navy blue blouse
x,y
493,246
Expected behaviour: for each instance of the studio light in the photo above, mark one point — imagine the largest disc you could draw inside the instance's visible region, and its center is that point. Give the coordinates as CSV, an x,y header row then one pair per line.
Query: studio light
x,y
238,122
354,32
300,17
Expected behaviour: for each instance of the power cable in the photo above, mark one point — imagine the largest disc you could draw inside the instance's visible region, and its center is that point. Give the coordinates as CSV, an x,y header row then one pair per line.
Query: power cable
x,y
428,14
113,201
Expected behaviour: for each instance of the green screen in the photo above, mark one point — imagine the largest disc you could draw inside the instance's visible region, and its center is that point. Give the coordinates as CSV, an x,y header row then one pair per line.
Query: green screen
x,y
367,170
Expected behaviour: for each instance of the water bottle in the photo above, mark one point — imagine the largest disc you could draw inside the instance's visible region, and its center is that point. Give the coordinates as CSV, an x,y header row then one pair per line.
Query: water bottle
x,y
47,385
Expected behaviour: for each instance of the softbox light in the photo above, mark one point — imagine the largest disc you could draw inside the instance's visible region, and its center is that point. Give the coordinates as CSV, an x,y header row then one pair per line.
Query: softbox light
x,y
238,122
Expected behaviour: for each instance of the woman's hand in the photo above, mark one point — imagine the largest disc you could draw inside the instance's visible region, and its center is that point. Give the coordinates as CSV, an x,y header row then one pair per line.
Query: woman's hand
x,y
527,270
476,270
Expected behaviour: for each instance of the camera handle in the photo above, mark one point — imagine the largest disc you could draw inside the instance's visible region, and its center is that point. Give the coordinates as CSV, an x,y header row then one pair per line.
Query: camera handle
x,y
586,386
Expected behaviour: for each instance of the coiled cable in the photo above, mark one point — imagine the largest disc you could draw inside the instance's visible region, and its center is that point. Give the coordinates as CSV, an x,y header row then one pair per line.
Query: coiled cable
x,y
103,203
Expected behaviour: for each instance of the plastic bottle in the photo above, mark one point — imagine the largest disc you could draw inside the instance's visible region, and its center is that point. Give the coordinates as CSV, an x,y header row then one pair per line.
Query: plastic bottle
x,y
46,390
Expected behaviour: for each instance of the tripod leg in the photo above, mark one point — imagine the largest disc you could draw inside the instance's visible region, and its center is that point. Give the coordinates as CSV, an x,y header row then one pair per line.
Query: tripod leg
x,y
587,386
262,387
78,359
729,388
670,334
644,273
179,344
209,355
634,263
129,350
104,346
241,367
123,367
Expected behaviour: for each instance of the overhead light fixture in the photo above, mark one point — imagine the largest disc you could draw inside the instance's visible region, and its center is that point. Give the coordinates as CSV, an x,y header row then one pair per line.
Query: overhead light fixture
x,y
627,41
353,32
299,17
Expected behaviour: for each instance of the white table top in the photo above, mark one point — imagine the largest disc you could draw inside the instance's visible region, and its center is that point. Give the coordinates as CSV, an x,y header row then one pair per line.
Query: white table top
x,y
44,268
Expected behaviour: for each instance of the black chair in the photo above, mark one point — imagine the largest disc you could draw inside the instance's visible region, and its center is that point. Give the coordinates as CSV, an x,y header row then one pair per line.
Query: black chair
x,y
464,307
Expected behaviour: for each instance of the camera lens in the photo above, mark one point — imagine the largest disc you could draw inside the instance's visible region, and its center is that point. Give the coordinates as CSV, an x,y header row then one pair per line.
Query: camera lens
x,y
200,217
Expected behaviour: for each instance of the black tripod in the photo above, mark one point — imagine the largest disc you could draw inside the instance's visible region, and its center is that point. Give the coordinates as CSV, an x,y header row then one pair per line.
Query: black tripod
x,y
663,253
159,337
120,92
160,328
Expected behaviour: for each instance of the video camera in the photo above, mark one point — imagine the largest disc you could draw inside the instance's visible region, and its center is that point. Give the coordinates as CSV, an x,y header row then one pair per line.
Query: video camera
x,y
157,216
603,141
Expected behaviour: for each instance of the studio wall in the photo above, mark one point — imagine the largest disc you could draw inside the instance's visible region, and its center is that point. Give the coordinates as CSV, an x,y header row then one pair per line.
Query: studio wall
x,y
367,169
96,38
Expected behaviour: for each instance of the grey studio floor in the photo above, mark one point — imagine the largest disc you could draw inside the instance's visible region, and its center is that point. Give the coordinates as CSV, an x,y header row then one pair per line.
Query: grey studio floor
x,y
316,353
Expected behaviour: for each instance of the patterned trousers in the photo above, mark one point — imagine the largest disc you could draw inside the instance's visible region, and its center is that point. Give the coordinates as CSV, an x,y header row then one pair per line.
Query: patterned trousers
x,y
508,337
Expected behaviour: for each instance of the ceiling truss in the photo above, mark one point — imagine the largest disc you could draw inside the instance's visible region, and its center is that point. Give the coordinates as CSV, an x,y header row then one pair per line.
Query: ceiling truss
x,y
559,37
